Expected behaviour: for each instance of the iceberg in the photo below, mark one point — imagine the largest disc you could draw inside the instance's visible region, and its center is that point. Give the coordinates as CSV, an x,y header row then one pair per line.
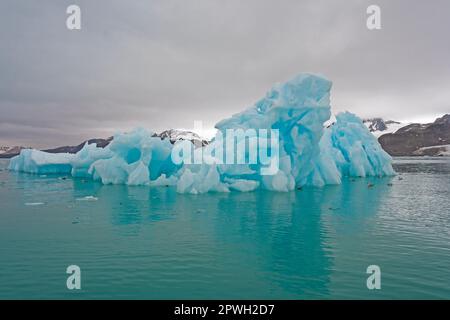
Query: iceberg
x,y
357,152
39,162
133,158
288,147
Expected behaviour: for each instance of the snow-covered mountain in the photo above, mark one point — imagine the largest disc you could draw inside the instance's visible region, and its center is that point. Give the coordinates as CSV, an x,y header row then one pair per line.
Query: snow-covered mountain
x,y
379,126
415,139
397,138
7,152
174,135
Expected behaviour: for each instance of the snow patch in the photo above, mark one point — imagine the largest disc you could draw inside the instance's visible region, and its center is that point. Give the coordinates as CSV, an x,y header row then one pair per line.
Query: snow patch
x,y
439,150
34,203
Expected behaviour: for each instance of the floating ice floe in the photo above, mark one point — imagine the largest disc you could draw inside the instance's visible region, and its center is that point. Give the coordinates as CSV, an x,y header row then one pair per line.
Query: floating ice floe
x,y
87,198
299,151
40,162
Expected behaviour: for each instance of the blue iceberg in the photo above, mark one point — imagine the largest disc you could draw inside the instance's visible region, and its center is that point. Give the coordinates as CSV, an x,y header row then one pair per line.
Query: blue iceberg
x,y
39,162
278,144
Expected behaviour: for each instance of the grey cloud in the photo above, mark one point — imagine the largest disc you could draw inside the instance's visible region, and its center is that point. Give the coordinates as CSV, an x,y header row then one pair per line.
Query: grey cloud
x,y
163,64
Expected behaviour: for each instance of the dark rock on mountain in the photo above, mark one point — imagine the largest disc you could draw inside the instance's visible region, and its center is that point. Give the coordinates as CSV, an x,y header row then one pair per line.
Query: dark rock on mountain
x,y
9,152
174,135
379,124
375,124
101,143
416,138
12,152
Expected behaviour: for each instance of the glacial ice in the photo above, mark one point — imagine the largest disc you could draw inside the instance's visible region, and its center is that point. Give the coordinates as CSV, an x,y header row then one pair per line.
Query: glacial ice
x,y
39,162
361,153
304,153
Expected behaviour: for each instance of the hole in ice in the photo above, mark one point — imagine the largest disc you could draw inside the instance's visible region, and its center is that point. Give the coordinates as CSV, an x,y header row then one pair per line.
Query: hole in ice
x,y
133,155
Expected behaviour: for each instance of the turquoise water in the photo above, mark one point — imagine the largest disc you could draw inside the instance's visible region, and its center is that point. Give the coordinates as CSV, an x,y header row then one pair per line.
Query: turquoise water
x,y
137,242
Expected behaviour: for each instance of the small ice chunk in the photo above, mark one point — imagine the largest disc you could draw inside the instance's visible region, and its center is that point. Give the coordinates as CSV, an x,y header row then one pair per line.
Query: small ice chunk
x,y
242,185
164,181
34,203
87,198
39,162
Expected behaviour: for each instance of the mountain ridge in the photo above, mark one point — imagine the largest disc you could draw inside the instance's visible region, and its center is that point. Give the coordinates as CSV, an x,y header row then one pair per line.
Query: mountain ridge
x,y
396,138
172,134
411,139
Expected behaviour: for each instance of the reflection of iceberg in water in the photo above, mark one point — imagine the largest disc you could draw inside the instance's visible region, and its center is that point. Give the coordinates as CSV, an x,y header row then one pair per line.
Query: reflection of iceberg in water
x,y
352,224
306,153
282,237
297,234
260,244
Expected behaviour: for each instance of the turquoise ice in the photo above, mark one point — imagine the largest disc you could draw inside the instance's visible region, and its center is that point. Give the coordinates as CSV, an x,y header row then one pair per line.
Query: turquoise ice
x,y
307,153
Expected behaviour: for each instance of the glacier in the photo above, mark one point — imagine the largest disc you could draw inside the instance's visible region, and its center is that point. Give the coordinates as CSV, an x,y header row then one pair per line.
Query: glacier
x,y
304,152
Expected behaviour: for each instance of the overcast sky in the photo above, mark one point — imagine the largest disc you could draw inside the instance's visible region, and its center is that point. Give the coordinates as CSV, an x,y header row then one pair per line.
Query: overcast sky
x,y
163,64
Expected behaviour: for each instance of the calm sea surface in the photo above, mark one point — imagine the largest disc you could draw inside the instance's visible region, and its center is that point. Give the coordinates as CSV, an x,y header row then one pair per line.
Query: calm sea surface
x,y
140,242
